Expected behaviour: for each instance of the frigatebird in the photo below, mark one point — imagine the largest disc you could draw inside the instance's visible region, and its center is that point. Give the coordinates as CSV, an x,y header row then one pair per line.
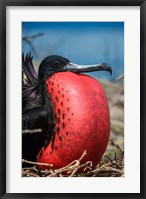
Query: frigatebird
x,y
40,99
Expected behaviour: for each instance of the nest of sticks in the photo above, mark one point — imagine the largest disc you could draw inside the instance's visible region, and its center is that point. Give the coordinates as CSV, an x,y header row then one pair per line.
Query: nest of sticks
x,y
106,168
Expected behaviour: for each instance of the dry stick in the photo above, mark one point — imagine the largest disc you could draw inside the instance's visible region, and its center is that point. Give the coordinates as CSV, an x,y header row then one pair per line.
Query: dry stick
x,y
77,167
83,155
113,169
30,169
73,165
97,170
58,172
121,77
63,169
46,173
78,163
29,131
119,148
89,163
37,163
108,158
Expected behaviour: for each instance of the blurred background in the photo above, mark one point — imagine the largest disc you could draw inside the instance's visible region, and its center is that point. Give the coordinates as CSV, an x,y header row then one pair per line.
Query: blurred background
x,y
80,42
86,43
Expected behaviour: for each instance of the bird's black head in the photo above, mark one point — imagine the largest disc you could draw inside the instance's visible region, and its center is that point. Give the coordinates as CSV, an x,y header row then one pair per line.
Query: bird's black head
x,y
54,63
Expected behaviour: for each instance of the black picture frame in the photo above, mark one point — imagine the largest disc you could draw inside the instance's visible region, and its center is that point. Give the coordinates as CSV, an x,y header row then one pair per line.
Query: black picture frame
x,y
3,5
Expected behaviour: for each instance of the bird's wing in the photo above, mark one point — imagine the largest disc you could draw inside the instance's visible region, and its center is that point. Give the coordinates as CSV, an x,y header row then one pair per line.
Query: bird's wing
x,y
30,92
34,113
28,69
35,118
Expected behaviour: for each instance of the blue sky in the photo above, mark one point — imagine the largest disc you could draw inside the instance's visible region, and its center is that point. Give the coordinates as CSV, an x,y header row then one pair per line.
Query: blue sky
x,y
80,42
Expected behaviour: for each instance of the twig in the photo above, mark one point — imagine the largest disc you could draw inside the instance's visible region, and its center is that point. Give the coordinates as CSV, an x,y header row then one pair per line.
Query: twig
x,y
37,163
77,166
83,155
121,77
72,166
31,131
108,158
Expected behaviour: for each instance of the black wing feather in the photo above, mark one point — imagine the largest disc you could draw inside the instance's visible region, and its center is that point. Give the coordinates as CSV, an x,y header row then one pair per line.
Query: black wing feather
x,y
30,92
28,68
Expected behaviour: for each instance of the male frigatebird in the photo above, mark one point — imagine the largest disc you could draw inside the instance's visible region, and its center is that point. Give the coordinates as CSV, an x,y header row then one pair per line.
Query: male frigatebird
x,y
70,108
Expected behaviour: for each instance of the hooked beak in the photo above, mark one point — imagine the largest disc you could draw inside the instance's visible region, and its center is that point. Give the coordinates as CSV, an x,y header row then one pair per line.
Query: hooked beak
x,y
76,68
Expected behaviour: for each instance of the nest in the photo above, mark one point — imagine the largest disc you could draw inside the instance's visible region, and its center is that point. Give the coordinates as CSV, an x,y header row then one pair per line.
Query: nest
x,y
106,168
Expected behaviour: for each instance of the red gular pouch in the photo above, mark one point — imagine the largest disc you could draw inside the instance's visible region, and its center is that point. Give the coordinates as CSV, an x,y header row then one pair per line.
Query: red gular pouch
x,y
82,120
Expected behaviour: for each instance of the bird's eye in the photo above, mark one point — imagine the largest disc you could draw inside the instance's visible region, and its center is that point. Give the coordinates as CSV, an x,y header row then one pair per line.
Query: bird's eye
x,y
55,64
